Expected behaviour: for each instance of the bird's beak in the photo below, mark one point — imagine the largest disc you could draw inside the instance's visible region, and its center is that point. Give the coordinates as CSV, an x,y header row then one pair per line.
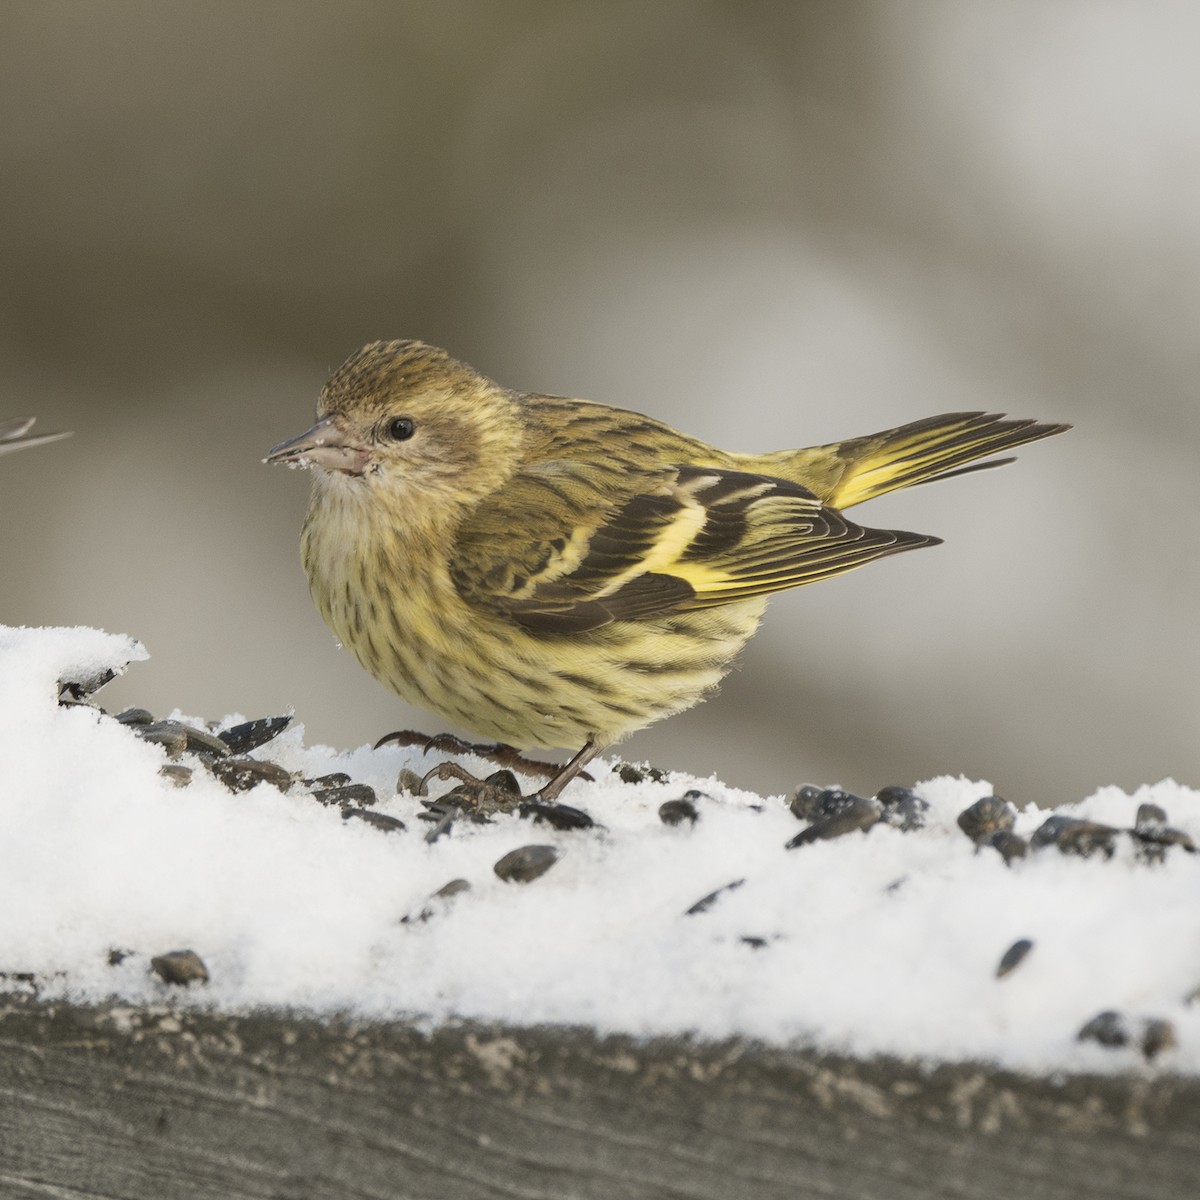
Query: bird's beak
x,y
327,445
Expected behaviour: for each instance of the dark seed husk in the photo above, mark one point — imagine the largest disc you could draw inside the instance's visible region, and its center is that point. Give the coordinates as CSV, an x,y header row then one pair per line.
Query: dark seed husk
x,y
1013,957
828,802
628,773
335,779
526,863
558,816
240,774
439,901
706,902
894,794
1148,850
1152,841
755,943
195,741
134,716
1010,845
1046,834
802,800
412,783
1073,835
902,807
200,741
351,793
1150,814
504,781
84,684
117,956
1088,838
1109,1028
444,822
178,775
172,740
1157,1035
986,816
858,814
249,735
378,820
675,812
180,967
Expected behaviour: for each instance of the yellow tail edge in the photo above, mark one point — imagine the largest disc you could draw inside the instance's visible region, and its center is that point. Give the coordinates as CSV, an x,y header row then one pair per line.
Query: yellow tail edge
x,y
927,450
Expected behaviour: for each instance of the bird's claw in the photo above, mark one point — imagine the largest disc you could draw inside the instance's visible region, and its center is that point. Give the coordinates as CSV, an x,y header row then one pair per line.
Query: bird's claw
x,y
499,792
496,752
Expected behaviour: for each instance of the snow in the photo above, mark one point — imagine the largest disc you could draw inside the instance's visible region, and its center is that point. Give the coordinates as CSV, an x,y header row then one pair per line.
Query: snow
x,y
884,942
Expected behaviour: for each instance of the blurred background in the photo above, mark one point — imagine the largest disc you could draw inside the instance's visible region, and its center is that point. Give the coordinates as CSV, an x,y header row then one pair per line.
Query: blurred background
x,y
771,224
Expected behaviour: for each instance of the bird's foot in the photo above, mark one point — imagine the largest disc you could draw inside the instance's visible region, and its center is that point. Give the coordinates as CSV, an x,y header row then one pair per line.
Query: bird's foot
x,y
497,752
479,798
472,798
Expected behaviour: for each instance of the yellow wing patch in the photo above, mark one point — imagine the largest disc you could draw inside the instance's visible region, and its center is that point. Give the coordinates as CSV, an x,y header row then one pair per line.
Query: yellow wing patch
x,y
694,538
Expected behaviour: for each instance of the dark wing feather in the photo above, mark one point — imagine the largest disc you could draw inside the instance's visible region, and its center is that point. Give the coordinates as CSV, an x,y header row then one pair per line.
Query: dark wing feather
x,y
567,547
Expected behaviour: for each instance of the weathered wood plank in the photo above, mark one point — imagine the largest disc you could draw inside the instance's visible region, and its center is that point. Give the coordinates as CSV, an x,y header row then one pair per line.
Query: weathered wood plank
x,y
157,1104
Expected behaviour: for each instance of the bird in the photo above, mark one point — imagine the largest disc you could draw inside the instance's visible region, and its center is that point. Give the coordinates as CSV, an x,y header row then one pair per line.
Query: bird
x,y
555,572
15,435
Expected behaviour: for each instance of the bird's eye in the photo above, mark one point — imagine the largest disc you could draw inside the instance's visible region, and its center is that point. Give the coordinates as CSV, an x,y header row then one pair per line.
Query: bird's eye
x,y
401,428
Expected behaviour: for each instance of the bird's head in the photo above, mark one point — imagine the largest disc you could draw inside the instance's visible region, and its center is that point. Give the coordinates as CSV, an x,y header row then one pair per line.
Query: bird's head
x,y
405,420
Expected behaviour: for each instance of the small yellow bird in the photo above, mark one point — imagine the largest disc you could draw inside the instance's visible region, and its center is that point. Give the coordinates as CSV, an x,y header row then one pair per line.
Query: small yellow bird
x,y
553,572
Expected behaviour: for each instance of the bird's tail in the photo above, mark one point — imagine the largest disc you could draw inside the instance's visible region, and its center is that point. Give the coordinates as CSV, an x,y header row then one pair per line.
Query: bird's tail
x,y
935,448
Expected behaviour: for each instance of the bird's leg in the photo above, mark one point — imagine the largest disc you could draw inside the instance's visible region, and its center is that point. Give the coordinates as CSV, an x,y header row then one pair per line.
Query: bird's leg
x,y
499,753
549,793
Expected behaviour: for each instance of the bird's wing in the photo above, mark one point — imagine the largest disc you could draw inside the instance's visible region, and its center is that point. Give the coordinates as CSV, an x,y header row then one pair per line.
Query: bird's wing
x,y
566,547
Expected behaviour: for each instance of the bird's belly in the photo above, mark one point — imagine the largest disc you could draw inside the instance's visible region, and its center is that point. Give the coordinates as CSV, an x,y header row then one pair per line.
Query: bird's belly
x,y
487,674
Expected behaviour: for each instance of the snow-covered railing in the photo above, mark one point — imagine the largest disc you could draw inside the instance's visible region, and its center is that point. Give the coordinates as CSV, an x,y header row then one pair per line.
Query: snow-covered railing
x,y
267,937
